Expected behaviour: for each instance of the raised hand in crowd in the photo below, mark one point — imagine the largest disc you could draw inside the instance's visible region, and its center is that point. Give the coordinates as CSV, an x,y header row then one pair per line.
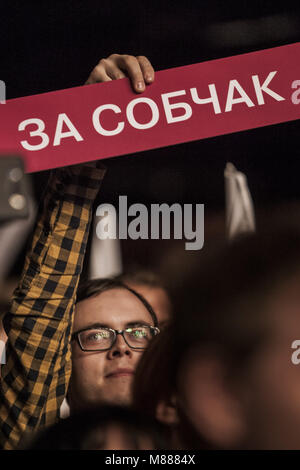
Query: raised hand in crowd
x,y
116,66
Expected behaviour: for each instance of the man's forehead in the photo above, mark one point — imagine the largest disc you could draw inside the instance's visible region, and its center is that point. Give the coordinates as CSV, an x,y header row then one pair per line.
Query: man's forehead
x,y
114,307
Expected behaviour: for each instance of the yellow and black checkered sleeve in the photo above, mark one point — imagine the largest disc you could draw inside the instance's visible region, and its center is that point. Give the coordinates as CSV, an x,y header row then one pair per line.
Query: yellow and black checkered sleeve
x,y
35,378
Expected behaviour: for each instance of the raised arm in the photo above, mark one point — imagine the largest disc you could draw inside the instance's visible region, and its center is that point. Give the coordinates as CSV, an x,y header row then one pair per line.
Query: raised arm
x,y
37,370
34,380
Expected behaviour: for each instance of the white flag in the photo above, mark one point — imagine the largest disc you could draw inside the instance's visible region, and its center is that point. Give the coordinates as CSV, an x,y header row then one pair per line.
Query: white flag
x,y
240,216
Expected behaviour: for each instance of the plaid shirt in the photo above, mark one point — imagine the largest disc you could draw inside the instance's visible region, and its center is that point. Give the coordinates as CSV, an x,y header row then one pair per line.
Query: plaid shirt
x,y
35,378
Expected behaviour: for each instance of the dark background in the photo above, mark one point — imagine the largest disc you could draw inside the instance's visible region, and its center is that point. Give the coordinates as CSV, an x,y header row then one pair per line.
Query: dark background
x,y
50,45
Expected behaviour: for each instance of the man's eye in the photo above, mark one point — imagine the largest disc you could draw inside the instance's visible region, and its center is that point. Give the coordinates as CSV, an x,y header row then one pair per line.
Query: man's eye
x,y
98,336
137,332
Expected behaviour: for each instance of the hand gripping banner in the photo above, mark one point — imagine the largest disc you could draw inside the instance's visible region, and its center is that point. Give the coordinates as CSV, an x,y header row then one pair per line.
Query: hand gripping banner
x,y
183,104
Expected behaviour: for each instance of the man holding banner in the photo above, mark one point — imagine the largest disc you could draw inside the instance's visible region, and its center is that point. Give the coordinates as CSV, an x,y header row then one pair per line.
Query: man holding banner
x,y
34,380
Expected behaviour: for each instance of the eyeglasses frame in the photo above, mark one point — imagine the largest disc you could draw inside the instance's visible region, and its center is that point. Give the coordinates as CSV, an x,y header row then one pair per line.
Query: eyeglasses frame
x,y
75,336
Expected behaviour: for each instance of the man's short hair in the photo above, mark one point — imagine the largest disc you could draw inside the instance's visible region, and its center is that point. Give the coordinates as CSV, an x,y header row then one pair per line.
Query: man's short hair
x,y
95,287
142,277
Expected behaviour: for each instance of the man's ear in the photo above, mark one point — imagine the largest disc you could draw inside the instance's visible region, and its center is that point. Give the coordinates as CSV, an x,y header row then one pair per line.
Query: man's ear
x,y
208,401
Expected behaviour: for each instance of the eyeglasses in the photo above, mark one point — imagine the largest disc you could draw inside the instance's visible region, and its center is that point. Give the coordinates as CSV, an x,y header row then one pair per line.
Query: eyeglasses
x,y
102,339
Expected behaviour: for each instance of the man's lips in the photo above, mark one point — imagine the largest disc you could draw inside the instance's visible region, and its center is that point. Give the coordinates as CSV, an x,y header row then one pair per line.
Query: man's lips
x,y
119,373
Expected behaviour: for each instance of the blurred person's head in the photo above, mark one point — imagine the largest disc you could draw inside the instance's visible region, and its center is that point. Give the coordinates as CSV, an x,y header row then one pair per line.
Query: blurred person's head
x,y
154,390
154,382
153,289
113,325
101,428
237,313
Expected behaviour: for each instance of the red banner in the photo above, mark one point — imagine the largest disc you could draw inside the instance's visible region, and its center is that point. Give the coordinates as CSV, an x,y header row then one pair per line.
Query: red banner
x,y
183,104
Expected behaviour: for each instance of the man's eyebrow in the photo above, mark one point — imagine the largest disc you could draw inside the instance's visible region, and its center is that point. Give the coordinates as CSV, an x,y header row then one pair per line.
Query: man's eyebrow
x,y
93,325
105,325
138,323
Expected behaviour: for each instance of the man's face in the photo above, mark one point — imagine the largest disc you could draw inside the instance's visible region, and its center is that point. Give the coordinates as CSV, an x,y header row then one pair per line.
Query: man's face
x,y
106,376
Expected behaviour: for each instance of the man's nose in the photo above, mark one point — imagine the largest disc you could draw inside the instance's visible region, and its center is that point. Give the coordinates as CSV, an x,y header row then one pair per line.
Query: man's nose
x,y
120,348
